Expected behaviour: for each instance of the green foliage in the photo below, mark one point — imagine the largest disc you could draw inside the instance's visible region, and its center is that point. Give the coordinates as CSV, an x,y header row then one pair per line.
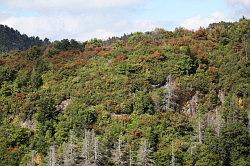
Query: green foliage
x,y
34,53
128,69
186,65
143,103
137,37
117,88
80,116
36,79
11,39
66,45
7,74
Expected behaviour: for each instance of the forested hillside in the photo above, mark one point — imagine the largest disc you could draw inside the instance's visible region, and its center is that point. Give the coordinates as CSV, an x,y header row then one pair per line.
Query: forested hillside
x,y
11,39
157,98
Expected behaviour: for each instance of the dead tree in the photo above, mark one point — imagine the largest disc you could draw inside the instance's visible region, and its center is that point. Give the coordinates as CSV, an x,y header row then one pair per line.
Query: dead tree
x,y
118,154
172,155
69,153
144,156
32,159
52,156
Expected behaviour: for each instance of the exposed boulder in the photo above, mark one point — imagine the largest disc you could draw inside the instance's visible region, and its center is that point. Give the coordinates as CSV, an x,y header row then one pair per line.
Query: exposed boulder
x,y
63,105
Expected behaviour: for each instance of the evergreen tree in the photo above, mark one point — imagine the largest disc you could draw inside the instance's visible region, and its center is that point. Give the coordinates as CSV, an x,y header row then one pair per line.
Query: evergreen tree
x,y
144,155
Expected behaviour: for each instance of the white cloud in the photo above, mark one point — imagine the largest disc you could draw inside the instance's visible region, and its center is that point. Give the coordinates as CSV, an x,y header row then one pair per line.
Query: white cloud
x,y
69,5
85,19
80,27
245,3
198,21
239,7
79,19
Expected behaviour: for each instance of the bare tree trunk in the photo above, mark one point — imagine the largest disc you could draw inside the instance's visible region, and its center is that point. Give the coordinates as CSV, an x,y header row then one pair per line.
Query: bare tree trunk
x,y
86,148
200,131
118,154
173,156
96,151
144,157
52,156
168,94
69,155
130,157
33,154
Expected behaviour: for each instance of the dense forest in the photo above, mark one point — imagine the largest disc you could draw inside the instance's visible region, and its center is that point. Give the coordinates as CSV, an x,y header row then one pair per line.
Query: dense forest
x,y
11,39
156,98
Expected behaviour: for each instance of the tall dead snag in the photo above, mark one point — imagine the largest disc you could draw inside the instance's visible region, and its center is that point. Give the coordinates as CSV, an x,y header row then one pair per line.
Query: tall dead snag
x,y
52,160
118,154
172,155
144,156
69,152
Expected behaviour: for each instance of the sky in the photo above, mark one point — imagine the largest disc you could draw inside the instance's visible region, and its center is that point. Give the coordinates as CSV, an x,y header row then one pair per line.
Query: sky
x,y
86,19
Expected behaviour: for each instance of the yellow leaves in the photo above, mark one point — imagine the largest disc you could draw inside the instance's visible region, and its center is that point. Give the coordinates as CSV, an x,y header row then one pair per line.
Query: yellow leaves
x,y
46,85
38,159
241,103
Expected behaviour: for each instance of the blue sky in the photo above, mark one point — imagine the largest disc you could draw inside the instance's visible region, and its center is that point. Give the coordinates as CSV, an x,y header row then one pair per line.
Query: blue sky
x,y
85,19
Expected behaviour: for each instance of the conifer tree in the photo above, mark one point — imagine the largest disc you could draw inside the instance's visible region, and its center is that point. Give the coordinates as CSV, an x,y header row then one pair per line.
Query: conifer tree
x,y
69,154
32,160
144,156
52,156
118,154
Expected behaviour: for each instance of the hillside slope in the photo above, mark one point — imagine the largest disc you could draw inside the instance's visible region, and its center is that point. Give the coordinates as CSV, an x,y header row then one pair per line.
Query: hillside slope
x,y
11,39
156,98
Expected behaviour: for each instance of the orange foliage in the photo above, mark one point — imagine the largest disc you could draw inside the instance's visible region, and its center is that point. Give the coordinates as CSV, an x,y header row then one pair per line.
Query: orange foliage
x,y
13,149
125,118
148,121
155,56
80,62
20,96
181,41
199,51
38,159
119,58
213,73
200,34
136,133
103,53
2,62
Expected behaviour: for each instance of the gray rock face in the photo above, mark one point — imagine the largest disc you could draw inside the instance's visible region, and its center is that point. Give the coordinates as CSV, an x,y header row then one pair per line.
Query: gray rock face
x,y
63,105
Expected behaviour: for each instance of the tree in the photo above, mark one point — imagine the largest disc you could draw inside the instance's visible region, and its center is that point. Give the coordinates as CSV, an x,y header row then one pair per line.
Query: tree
x,y
52,159
144,156
79,116
69,151
35,79
169,94
7,74
62,45
91,151
143,103
186,65
34,53
32,158
118,154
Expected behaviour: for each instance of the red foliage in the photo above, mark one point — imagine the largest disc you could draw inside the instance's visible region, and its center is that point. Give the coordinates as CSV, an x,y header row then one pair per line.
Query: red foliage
x,y
213,73
155,56
136,133
80,62
199,51
125,118
98,49
20,96
182,41
200,34
120,58
2,62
